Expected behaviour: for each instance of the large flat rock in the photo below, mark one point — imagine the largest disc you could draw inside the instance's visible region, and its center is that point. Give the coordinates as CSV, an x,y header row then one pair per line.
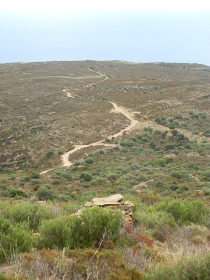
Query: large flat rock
x,y
103,201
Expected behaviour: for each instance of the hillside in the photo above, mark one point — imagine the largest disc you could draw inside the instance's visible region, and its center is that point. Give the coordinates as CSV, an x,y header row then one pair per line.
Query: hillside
x,y
72,131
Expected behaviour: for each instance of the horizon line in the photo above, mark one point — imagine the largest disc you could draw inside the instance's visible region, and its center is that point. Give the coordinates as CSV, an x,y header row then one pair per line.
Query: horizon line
x,y
112,60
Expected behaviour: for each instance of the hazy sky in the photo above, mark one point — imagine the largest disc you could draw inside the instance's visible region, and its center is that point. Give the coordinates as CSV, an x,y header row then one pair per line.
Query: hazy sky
x,y
63,5
144,31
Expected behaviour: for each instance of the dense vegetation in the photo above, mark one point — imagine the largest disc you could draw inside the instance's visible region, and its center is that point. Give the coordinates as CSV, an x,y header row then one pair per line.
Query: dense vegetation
x,y
145,162
25,226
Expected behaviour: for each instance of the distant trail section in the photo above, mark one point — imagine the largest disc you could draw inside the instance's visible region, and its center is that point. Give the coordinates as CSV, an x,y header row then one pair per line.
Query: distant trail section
x,y
46,171
68,94
116,109
104,76
69,77
73,95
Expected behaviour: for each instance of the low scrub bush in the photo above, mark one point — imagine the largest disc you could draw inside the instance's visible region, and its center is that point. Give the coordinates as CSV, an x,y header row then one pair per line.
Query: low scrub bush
x,y
112,177
64,197
153,219
35,175
57,182
89,161
71,207
36,181
161,162
45,193
185,211
93,225
17,193
179,175
13,239
49,154
25,179
26,212
85,176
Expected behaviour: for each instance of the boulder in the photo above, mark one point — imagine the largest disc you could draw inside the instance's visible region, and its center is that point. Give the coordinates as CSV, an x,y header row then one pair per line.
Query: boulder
x,y
106,201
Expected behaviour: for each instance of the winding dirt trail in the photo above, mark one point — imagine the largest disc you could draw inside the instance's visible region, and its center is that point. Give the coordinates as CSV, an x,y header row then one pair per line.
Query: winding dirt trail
x,y
72,95
116,109
66,162
134,124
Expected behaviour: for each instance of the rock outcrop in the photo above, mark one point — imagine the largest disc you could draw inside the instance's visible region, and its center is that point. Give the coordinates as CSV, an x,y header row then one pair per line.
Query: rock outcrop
x,y
106,201
115,202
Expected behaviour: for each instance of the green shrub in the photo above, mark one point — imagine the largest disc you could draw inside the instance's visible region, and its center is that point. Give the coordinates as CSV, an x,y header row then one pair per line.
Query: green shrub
x,y
64,197
161,162
169,147
89,161
206,189
101,221
185,211
71,207
13,239
152,145
35,175
17,193
67,176
58,232
85,176
36,181
25,179
3,277
153,219
126,143
100,181
157,132
192,165
179,188
45,193
57,182
86,186
88,230
112,177
193,268
206,176
179,175
148,129
49,154
26,212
